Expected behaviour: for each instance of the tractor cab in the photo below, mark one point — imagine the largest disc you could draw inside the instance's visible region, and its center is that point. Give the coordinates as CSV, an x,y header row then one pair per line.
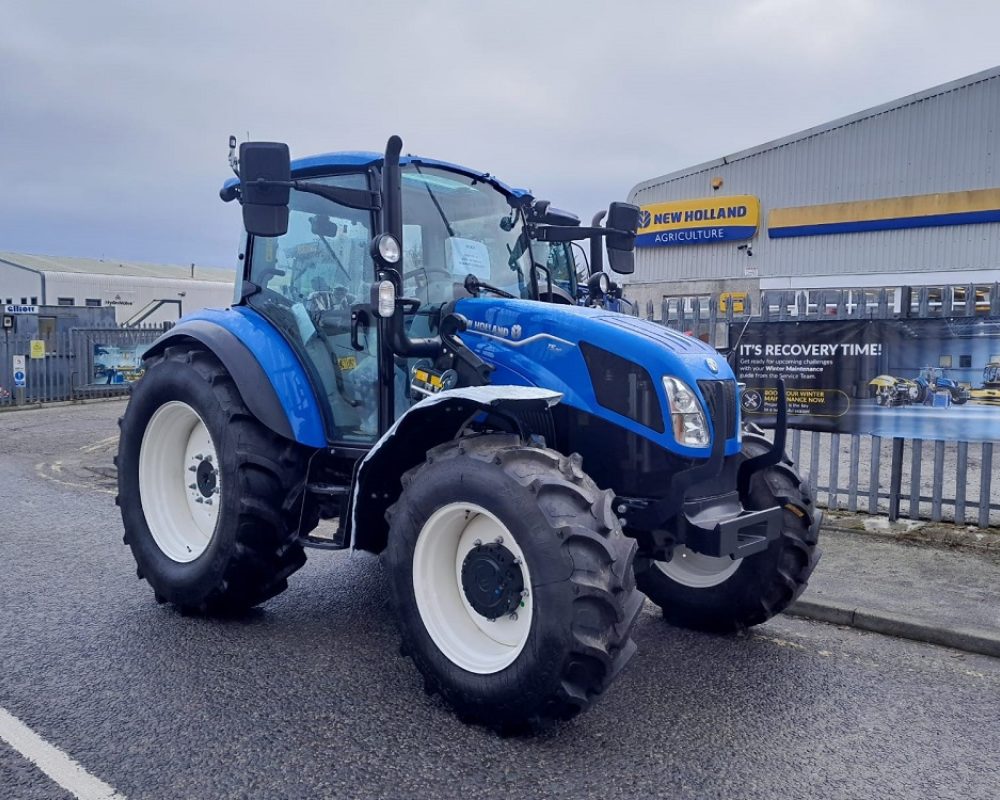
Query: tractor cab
x,y
991,375
462,233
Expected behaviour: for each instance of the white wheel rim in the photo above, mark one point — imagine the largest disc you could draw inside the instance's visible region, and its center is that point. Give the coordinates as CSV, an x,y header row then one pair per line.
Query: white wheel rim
x,y
180,504
466,638
696,570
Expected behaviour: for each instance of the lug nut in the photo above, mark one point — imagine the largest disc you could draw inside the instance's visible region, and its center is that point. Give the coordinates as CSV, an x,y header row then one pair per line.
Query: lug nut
x,y
513,616
498,540
192,486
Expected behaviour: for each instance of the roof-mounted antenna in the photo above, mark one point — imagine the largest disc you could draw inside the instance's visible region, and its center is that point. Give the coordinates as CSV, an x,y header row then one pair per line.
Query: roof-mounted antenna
x,y
234,162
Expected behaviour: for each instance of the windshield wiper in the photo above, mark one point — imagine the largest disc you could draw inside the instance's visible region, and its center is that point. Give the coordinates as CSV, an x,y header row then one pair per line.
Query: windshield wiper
x,y
437,205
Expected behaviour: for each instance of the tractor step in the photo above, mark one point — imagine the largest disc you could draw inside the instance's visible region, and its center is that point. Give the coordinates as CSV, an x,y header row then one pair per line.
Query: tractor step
x,y
326,536
328,489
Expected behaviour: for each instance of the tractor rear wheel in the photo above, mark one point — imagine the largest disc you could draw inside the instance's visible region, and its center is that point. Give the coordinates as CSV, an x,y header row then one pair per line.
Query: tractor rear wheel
x,y
511,581
724,594
210,498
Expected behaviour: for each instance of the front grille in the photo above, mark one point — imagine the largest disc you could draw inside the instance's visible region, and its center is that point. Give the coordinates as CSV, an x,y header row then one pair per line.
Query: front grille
x,y
623,386
720,396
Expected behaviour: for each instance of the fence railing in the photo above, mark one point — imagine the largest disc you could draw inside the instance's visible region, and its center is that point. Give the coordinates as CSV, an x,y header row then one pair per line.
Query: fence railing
x,y
914,478
78,364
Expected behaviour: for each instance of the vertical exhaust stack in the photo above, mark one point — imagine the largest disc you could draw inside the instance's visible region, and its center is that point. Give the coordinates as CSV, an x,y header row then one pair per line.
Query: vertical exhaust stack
x,y
392,190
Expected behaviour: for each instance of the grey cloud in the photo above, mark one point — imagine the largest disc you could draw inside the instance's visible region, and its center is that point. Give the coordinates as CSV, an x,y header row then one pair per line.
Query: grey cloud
x,y
114,115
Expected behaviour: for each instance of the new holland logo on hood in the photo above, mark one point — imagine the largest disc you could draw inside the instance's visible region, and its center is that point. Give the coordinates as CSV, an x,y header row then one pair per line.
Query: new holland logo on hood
x,y
710,219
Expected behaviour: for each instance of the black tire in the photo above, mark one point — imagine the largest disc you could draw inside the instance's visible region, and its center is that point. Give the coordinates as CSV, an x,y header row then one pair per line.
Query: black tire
x,y
766,583
254,547
580,563
959,398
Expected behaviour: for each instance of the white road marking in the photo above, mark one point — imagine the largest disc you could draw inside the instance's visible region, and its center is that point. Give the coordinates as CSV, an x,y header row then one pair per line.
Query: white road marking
x,y
90,448
53,762
40,471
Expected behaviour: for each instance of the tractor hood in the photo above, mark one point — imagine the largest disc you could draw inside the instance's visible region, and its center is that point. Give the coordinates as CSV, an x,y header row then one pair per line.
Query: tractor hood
x,y
608,364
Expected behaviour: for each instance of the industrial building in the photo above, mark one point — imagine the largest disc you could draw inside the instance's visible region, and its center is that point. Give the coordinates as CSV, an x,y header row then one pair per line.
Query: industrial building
x,y
903,194
139,293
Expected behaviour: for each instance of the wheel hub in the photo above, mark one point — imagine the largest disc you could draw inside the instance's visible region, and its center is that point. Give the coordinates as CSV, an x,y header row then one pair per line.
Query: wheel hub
x,y
492,580
206,478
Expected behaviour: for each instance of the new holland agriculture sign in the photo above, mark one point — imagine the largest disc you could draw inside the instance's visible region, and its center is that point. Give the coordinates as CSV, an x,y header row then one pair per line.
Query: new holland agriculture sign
x,y
710,219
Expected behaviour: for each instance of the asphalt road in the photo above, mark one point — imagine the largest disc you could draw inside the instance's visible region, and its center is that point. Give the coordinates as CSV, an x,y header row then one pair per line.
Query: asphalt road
x,y
308,698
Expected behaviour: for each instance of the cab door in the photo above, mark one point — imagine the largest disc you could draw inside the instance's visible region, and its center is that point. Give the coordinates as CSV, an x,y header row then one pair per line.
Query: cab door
x,y
315,287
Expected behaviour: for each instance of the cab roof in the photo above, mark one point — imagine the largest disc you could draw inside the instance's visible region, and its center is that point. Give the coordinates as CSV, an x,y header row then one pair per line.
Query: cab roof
x,y
326,163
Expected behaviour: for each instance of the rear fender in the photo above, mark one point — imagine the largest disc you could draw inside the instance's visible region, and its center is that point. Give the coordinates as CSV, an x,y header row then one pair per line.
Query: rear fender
x,y
264,367
432,421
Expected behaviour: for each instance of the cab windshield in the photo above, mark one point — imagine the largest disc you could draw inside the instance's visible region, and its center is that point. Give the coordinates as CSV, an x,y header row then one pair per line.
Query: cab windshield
x,y
454,226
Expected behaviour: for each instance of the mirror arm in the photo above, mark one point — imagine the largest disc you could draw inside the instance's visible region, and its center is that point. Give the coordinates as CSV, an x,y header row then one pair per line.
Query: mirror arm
x,y
596,250
561,233
360,199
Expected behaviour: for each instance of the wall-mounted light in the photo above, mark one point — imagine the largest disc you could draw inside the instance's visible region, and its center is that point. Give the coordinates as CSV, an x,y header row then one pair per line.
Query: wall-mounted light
x,y
716,184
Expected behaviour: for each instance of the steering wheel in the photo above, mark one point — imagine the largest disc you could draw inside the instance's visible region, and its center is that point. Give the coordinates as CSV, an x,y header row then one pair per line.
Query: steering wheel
x,y
426,273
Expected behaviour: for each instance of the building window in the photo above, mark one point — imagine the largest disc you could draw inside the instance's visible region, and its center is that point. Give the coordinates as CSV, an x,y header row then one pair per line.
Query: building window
x,y
9,300
92,302
944,362
66,301
965,362
24,301
34,301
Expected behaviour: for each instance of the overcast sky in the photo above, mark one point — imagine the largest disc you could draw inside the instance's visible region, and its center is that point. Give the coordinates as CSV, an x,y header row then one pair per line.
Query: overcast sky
x,y
115,114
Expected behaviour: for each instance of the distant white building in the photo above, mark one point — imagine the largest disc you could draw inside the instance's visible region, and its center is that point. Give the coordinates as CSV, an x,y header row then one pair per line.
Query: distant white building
x,y
139,293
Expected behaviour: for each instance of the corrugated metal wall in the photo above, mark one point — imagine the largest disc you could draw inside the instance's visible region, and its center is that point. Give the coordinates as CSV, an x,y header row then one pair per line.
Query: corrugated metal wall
x,y
944,142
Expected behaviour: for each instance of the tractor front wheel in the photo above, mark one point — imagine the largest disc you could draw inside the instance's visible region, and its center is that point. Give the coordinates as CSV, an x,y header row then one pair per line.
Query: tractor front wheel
x,y
511,581
210,498
724,594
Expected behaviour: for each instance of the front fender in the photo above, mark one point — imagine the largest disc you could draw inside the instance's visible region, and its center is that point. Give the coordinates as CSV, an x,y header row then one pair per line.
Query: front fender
x,y
268,374
432,421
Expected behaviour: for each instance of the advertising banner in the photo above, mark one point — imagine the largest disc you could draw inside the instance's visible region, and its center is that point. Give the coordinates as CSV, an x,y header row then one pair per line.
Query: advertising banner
x,y
936,379
114,364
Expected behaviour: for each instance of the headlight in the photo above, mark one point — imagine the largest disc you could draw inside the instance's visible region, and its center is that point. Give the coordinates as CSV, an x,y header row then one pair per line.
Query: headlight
x,y
686,415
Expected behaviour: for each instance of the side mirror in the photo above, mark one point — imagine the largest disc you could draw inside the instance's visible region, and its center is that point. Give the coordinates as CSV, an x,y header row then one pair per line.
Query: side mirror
x,y
265,185
546,214
623,220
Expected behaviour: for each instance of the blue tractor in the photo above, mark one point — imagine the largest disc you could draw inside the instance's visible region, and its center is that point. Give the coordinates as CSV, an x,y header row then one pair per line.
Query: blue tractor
x,y
404,360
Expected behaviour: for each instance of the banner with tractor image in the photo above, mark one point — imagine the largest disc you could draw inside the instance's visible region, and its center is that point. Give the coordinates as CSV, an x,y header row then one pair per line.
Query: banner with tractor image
x,y
117,364
935,379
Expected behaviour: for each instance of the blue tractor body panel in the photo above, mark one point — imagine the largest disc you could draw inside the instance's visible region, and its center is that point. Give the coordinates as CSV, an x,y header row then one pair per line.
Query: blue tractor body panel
x,y
538,344
278,362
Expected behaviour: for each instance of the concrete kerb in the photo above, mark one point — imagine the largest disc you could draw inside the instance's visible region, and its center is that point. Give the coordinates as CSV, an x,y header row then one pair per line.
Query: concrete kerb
x,y
971,640
61,403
